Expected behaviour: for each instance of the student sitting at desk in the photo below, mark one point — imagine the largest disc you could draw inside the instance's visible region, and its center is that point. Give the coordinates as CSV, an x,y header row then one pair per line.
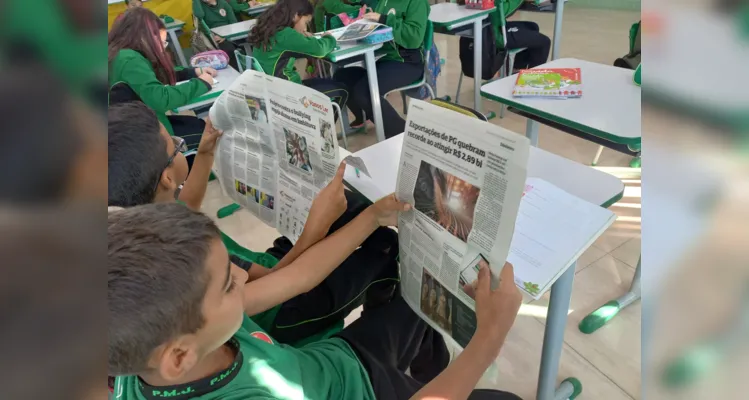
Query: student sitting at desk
x,y
324,9
217,13
521,34
281,36
145,166
402,64
138,58
178,321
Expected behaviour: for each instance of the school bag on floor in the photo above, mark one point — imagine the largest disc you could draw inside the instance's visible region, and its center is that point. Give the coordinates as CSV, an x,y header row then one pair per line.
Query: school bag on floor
x,y
492,58
632,59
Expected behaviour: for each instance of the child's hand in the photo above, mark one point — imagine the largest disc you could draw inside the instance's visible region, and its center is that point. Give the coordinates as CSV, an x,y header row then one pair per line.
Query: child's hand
x,y
387,208
372,16
496,309
329,204
207,78
218,39
209,139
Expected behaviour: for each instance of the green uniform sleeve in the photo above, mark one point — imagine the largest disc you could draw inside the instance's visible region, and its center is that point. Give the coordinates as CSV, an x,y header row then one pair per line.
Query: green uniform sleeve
x,y
156,95
197,9
237,6
229,13
310,46
337,7
408,28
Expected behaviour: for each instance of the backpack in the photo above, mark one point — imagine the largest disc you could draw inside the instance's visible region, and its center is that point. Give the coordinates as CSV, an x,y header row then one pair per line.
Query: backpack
x,y
632,59
491,57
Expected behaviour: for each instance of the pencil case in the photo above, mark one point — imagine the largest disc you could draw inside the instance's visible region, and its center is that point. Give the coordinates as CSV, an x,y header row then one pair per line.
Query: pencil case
x,y
381,35
216,59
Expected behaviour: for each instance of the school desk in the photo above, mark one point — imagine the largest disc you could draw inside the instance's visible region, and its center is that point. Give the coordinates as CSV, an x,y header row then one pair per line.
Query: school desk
x,y
172,28
589,184
451,18
258,9
348,50
225,77
608,113
235,31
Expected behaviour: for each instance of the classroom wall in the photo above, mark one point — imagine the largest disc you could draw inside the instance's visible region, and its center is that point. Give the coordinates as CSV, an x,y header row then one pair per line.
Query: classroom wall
x,y
632,5
179,9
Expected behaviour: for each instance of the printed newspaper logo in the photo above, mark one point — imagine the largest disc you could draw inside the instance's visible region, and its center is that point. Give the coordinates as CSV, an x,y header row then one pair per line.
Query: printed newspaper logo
x,y
307,102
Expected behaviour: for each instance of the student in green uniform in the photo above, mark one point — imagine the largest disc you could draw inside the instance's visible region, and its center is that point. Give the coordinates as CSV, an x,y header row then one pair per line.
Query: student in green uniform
x,y
280,37
145,167
402,64
138,58
521,34
178,325
217,13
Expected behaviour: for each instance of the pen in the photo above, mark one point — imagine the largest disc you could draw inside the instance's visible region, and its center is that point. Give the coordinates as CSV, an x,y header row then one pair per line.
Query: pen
x,y
357,171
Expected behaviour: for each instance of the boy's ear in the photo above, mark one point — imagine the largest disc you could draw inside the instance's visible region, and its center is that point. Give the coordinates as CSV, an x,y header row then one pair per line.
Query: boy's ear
x,y
176,358
167,182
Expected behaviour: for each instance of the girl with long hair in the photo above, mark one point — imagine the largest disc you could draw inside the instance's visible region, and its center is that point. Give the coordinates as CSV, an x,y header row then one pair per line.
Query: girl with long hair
x,y
138,59
281,36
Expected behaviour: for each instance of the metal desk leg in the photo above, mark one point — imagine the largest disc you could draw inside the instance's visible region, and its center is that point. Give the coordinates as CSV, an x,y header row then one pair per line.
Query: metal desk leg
x,y
556,320
606,312
477,46
177,47
374,90
531,132
557,29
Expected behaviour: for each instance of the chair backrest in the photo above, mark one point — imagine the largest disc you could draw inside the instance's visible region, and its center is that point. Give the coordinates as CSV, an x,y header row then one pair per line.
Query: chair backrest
x,y
460,109
256,65
247,62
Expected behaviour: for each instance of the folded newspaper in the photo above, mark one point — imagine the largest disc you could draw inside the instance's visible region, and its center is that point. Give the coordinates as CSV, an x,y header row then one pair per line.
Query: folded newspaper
x,y
356,31
279,148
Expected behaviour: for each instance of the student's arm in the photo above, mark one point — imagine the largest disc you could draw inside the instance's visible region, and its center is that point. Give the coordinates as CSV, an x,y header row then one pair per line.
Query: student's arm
x,y
338,6
193,191
139,75
229,12
308,45
237,6
315,264
495,313
409,29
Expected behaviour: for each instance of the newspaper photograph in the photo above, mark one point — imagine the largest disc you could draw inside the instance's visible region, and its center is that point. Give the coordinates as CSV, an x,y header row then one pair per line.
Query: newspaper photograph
x,y
465,178
279,148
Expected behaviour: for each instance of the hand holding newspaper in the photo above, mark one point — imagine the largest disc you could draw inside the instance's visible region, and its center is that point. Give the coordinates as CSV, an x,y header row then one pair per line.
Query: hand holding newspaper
x,y
279,148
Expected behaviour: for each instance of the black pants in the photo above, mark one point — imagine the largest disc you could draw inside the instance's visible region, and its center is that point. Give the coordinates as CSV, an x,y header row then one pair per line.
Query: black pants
x,y
333,89
527,34
391,338
189,128
228,46
390,75
368,276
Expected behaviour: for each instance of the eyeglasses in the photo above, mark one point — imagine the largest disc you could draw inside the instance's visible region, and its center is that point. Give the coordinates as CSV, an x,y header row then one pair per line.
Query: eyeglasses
x,y
180,146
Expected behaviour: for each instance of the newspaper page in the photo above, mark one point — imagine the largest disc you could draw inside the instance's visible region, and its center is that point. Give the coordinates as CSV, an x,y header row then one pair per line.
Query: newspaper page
x,y
355,31
279,148
465,178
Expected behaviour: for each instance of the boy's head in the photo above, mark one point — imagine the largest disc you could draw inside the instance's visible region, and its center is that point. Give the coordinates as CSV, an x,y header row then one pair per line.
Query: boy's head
x,y
173,294
145,164
133,3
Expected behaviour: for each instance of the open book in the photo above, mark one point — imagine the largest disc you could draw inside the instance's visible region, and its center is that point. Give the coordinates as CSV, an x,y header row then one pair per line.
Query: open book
x,y
472,200
558,83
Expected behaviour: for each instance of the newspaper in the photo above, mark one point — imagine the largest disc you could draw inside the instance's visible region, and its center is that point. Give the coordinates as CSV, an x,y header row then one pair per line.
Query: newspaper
x,y
465,179
355,31
279,148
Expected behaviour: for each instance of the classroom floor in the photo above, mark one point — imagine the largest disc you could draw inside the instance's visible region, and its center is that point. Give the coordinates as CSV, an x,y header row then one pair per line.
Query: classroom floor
x,y
608,361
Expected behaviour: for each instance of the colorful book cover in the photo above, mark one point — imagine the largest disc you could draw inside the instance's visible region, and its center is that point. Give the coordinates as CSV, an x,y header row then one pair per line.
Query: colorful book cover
x,y
549,82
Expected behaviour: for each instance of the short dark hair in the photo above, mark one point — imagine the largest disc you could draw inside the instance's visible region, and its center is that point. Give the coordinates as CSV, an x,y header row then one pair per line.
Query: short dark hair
x,y
137,154
157,279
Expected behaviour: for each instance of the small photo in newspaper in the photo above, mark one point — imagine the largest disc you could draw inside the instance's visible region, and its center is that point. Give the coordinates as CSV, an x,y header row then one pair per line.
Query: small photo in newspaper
x,y
329,139
446,199
257,108
450,314
297,152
